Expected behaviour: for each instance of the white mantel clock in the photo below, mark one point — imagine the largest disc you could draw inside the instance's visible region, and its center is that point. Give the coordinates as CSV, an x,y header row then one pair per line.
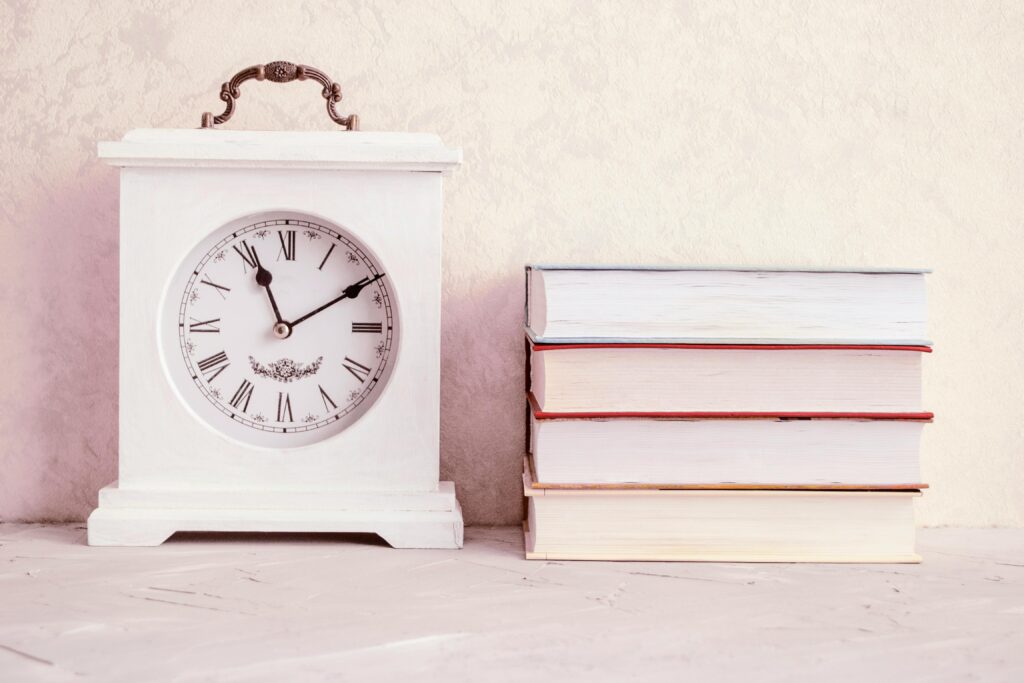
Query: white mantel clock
x,y
279,331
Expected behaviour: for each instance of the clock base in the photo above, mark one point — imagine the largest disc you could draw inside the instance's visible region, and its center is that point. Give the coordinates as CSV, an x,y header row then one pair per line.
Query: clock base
x,y
133,517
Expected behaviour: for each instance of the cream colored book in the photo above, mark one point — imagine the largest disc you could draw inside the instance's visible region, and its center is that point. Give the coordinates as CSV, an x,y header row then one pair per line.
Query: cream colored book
x,y
719,525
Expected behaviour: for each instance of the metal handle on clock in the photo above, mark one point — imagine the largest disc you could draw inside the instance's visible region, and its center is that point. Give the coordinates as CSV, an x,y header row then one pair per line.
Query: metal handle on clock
x,y
281,72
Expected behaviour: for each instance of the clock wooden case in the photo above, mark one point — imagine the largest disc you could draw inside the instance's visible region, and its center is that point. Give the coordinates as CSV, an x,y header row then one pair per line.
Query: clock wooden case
x,y
279,336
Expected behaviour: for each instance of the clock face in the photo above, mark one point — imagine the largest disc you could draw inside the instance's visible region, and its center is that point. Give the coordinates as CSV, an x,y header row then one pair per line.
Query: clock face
x,y
280,330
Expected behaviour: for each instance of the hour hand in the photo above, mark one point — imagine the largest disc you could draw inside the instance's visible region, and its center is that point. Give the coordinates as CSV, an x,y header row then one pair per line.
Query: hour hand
x,y
263,279
350,292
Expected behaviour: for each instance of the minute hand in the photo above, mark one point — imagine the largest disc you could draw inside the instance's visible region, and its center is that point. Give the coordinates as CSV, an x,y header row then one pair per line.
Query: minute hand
x,y
351,292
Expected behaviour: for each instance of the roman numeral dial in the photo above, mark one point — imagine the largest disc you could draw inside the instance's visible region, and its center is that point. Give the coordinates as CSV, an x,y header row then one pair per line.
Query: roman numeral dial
x,y
329,404
284,408
213,365
221,290
250,259
287,328
242,396
287,238
357,369
326,256
204,325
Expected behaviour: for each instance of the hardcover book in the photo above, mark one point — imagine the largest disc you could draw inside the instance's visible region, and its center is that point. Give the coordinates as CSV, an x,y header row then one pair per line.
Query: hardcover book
x,y
689,380
757,452
574,304
719,525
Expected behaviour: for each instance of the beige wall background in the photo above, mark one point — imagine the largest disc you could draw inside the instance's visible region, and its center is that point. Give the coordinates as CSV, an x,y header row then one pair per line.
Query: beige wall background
x,y
829,133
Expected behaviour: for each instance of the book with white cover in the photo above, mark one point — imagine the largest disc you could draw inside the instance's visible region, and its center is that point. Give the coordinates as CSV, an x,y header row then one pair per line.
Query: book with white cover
x,y
751,452
577,304
694,380
721,526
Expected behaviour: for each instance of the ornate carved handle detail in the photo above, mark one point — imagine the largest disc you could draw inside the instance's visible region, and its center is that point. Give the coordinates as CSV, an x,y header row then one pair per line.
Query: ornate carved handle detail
x,y
281,72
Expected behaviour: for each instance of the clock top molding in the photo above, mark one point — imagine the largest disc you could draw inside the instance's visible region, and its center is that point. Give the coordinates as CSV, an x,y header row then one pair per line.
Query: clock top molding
x,y
324,150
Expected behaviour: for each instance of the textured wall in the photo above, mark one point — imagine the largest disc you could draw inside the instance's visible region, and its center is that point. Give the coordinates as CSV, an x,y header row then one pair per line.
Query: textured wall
x,y
830,133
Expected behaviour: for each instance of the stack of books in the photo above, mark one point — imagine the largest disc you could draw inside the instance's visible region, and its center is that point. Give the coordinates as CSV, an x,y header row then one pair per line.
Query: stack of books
x,y
732,414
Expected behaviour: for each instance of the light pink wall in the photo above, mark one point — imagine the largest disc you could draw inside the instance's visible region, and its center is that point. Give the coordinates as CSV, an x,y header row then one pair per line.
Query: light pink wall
x,y
828,133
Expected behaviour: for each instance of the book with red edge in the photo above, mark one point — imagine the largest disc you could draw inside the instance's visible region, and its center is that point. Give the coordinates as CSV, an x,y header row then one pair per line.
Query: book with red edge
x,y
725,450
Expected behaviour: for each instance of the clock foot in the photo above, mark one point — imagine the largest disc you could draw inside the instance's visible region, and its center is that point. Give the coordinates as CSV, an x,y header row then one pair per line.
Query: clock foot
x,y
437,532
112,528
404,520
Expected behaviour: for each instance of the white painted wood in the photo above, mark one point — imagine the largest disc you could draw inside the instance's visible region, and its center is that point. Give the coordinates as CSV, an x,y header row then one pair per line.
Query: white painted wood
x,y
402,525
395,445
170,200
442,500
330,150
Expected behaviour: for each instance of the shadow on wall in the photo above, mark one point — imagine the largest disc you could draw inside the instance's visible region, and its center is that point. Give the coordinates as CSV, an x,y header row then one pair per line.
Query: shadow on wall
x,y
66,402
482,400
